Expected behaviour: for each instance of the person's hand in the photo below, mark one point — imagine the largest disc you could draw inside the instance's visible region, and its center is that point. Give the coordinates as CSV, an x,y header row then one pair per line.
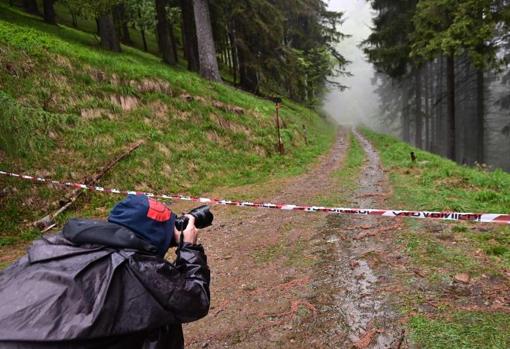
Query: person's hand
x,y
190,233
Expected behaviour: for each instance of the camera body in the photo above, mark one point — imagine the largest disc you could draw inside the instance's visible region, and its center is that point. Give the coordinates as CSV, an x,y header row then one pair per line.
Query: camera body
x,y
203,218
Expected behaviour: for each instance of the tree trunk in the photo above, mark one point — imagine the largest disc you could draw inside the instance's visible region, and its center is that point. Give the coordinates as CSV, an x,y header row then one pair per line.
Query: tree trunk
x,y
233,48
248,78
406,136
190,35
144,40
173,42
480,88
121,24
450,91
142,34
74,19
31,6
163,33
428,118
106,28
49,12
418,136
206,50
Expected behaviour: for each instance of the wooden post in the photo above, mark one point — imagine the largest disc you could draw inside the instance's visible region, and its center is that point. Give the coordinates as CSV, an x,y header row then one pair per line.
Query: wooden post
x,y
278,101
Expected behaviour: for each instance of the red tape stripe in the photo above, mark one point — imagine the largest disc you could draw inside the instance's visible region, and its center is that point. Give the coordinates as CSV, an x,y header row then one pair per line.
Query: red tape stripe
x,y
451,216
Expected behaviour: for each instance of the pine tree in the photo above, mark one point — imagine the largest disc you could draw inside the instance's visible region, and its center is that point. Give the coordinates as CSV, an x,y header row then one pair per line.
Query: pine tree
x,y
206,47
164,33
49,12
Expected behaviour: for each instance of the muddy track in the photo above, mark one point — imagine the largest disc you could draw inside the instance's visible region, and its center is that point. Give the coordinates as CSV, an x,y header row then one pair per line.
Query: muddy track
x,y
261,264
368,310
361,275
299,280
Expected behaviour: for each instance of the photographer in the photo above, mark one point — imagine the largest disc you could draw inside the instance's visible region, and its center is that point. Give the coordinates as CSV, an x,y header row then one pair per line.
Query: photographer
x,y
106,284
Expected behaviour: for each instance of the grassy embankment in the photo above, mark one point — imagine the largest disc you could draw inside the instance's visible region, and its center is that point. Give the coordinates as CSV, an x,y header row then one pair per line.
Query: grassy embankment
x,y
69,107
444,313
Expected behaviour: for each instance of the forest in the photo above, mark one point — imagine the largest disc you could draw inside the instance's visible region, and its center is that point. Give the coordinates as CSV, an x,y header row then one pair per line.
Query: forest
x,y
443,75
264,47
442,66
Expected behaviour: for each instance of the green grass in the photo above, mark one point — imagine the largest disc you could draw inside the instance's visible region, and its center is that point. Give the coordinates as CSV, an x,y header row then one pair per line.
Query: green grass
x,y
465,330
443,250
52,79
346,176
434,183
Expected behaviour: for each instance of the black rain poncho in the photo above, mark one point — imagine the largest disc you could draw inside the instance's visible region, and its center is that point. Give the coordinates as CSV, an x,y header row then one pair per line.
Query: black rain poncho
x,y
65,295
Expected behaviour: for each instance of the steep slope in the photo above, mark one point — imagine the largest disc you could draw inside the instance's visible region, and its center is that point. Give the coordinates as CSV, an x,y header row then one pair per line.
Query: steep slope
x,y
68,108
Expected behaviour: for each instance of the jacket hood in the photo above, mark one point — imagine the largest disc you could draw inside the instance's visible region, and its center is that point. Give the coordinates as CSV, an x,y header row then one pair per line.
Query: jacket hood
x,y
149,219
90,233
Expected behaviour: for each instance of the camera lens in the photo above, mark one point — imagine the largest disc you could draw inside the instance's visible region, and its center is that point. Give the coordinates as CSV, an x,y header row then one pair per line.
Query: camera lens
x,y
203,218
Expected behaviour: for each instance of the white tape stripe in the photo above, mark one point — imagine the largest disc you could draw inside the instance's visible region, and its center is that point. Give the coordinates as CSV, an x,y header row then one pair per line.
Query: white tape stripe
x,y
455,216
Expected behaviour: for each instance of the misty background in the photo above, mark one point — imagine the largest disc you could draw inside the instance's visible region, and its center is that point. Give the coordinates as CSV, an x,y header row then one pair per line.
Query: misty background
x,y
378,104
359,102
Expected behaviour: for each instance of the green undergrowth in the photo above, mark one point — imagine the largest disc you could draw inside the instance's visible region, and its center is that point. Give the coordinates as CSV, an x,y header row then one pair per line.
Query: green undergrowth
x,y
346,177
439,251
69,108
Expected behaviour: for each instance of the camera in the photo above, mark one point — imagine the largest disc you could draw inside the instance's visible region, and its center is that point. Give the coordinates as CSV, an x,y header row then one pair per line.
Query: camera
x,y
203,218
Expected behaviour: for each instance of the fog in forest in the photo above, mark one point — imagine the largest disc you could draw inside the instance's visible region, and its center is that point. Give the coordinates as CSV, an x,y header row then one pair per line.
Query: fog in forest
x,y
414,107
358,103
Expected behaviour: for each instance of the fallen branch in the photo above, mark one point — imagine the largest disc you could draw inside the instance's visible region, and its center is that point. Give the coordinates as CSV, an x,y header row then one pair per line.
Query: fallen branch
x,y
47,222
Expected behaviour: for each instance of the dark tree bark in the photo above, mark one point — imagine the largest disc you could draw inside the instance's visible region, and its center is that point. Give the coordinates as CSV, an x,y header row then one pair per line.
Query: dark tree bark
x,y
427,85
190,35
480,88
31,6
106,28
49,12
450,92
163,33
142,34
442,111
233,49
121,24
144,40
406,134
418,136
206,49
174,43
74,19
248,77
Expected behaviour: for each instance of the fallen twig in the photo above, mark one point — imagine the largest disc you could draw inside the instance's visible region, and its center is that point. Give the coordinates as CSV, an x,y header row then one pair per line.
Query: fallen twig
x,y
47,222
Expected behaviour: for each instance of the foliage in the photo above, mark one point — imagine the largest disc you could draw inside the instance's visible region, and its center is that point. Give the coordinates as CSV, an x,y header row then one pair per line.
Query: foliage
x,y
47,128
93,7
389,45
289,50
451,27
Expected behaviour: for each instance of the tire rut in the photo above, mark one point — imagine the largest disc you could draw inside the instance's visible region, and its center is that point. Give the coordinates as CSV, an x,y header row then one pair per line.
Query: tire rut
x,y
260,264
360,274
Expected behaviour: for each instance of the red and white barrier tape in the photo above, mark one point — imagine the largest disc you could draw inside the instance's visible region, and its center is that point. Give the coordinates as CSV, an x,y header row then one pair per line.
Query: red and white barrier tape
x,y
452,216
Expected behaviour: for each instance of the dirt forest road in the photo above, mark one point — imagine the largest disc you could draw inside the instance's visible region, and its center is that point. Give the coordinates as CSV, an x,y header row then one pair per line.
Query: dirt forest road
x,y
299,280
